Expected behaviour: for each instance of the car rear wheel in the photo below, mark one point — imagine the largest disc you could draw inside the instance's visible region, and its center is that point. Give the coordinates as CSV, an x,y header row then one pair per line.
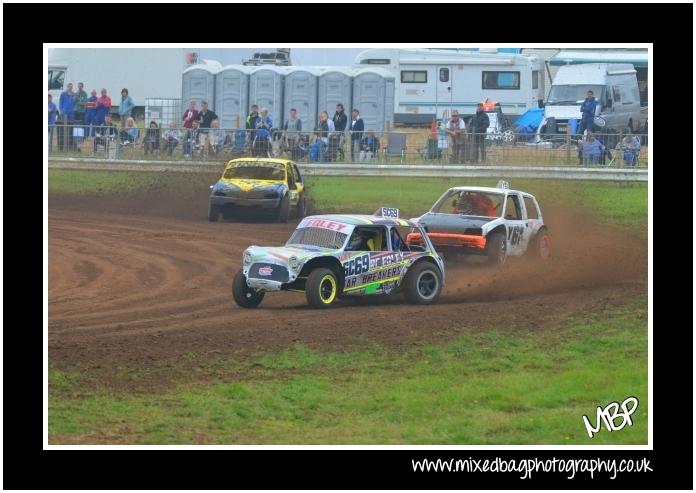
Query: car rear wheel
x,y
423,284
321,288
284,209
245,296
301,207
542,245
213,212
497,249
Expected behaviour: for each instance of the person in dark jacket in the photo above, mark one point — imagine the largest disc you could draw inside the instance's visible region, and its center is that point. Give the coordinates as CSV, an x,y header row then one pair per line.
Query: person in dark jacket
x,y
479,126
105,135
152,138
356,132
340,121
588,108
206,117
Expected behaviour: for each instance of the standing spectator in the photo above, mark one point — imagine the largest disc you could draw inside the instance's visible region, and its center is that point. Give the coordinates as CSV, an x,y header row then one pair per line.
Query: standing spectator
x,y
591,150
172,136
125,109
105,134
291,129
66,107
152,138
322,130
91,112
356,132
479,126
206,117
190,115
588,108
52,117
252,120
80,102
455,129
340,122
262,142
192,139
103,107
369,145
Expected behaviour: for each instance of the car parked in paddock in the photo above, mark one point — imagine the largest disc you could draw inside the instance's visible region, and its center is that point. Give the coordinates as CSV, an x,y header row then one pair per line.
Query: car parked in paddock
x,y
494,222
332,256
274,185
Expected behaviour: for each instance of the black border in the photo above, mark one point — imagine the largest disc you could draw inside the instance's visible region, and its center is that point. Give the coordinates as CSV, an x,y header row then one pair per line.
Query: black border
x,y
29,26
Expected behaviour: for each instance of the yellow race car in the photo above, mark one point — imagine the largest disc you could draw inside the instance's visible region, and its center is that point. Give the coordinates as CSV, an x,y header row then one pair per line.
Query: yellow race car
x,y
274,185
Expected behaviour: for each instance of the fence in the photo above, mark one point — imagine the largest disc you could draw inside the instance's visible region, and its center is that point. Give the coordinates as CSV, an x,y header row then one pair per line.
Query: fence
x,y
408,148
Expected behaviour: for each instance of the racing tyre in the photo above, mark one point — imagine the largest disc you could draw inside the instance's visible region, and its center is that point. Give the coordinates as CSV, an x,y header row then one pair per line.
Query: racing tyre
x,y
423,284
542,245
321,288
497,249
284,209
213,213
245,296
301,208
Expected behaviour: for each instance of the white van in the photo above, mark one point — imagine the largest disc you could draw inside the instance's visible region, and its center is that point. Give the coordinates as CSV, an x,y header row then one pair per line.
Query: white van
x,y
615,88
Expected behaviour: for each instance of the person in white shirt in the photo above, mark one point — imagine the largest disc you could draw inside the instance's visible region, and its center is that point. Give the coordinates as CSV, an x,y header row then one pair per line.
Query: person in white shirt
x,y
455,129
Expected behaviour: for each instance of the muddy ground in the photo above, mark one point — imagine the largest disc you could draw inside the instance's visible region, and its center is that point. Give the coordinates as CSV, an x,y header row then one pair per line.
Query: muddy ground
x,y
144,281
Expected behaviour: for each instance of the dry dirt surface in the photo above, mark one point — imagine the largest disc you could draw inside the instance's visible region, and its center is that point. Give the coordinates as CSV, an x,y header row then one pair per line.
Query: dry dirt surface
x,y
145,285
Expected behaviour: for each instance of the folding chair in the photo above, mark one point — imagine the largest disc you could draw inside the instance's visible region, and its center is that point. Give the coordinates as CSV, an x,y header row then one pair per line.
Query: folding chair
x,y
396,146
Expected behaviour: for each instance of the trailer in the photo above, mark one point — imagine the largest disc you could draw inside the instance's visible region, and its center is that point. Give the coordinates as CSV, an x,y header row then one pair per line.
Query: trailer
x,y
432,83
146,73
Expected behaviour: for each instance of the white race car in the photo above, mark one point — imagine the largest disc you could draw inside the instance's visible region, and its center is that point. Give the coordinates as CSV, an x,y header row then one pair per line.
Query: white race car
x,y
495,222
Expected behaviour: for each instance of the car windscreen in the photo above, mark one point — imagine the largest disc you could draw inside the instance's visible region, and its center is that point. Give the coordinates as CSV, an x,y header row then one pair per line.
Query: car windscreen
x,y
572,94
470,203
255,171
318,237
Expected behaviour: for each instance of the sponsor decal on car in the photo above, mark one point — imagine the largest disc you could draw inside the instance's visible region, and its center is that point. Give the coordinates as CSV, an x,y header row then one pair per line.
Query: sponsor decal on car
x,y
265,271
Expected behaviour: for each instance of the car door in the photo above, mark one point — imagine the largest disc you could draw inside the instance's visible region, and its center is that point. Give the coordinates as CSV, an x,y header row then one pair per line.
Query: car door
x,y
517,225
533,217
292,186
298,179
366,266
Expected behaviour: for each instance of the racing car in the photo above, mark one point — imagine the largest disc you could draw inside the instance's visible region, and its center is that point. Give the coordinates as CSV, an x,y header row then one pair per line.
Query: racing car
x,y
494,222
332,256
274,185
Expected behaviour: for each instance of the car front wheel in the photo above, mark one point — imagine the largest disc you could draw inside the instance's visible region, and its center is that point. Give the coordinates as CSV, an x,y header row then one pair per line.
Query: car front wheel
x,y
245,296
213,212
321,288
497,249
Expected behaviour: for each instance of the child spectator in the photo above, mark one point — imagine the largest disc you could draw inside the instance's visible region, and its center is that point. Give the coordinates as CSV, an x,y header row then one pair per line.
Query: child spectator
x,y
152,138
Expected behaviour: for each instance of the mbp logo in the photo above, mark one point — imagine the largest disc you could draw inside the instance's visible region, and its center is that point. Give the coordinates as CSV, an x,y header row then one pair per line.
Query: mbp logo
x,y
609,415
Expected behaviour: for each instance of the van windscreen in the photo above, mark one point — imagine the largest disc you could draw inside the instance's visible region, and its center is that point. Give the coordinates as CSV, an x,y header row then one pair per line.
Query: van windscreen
x,y
573,94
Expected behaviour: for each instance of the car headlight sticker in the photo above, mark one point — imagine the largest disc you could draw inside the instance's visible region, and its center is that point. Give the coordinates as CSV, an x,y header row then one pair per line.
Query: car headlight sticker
x,y
247,258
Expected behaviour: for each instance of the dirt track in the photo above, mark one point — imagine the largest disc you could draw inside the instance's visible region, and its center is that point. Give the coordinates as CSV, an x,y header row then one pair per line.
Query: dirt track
x,y
133,289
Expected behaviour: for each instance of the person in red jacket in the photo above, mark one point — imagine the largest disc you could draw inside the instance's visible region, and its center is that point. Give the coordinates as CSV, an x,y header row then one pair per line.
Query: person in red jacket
x,y
190,115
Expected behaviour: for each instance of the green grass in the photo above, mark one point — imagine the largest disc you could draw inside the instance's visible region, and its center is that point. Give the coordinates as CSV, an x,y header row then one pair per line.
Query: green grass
x,y
491,387
620,204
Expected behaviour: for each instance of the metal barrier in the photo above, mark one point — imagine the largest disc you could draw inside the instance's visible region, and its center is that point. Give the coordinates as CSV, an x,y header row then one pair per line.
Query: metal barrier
x,y
394,148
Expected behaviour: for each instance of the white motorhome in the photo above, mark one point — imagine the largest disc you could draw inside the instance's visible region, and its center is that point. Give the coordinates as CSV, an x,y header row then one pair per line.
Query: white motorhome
x,y
431,83
146,72
615,88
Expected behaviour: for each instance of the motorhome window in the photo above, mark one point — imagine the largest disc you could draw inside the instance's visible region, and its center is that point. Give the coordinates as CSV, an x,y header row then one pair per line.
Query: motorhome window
x,y
501,80
415,76
627,94
375,61
535,79
444,75
56,79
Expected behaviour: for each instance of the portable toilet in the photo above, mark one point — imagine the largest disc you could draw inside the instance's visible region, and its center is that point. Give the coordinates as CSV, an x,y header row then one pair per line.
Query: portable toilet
x,y
266,86
335,86
373,96
232,95
198,84
301,85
